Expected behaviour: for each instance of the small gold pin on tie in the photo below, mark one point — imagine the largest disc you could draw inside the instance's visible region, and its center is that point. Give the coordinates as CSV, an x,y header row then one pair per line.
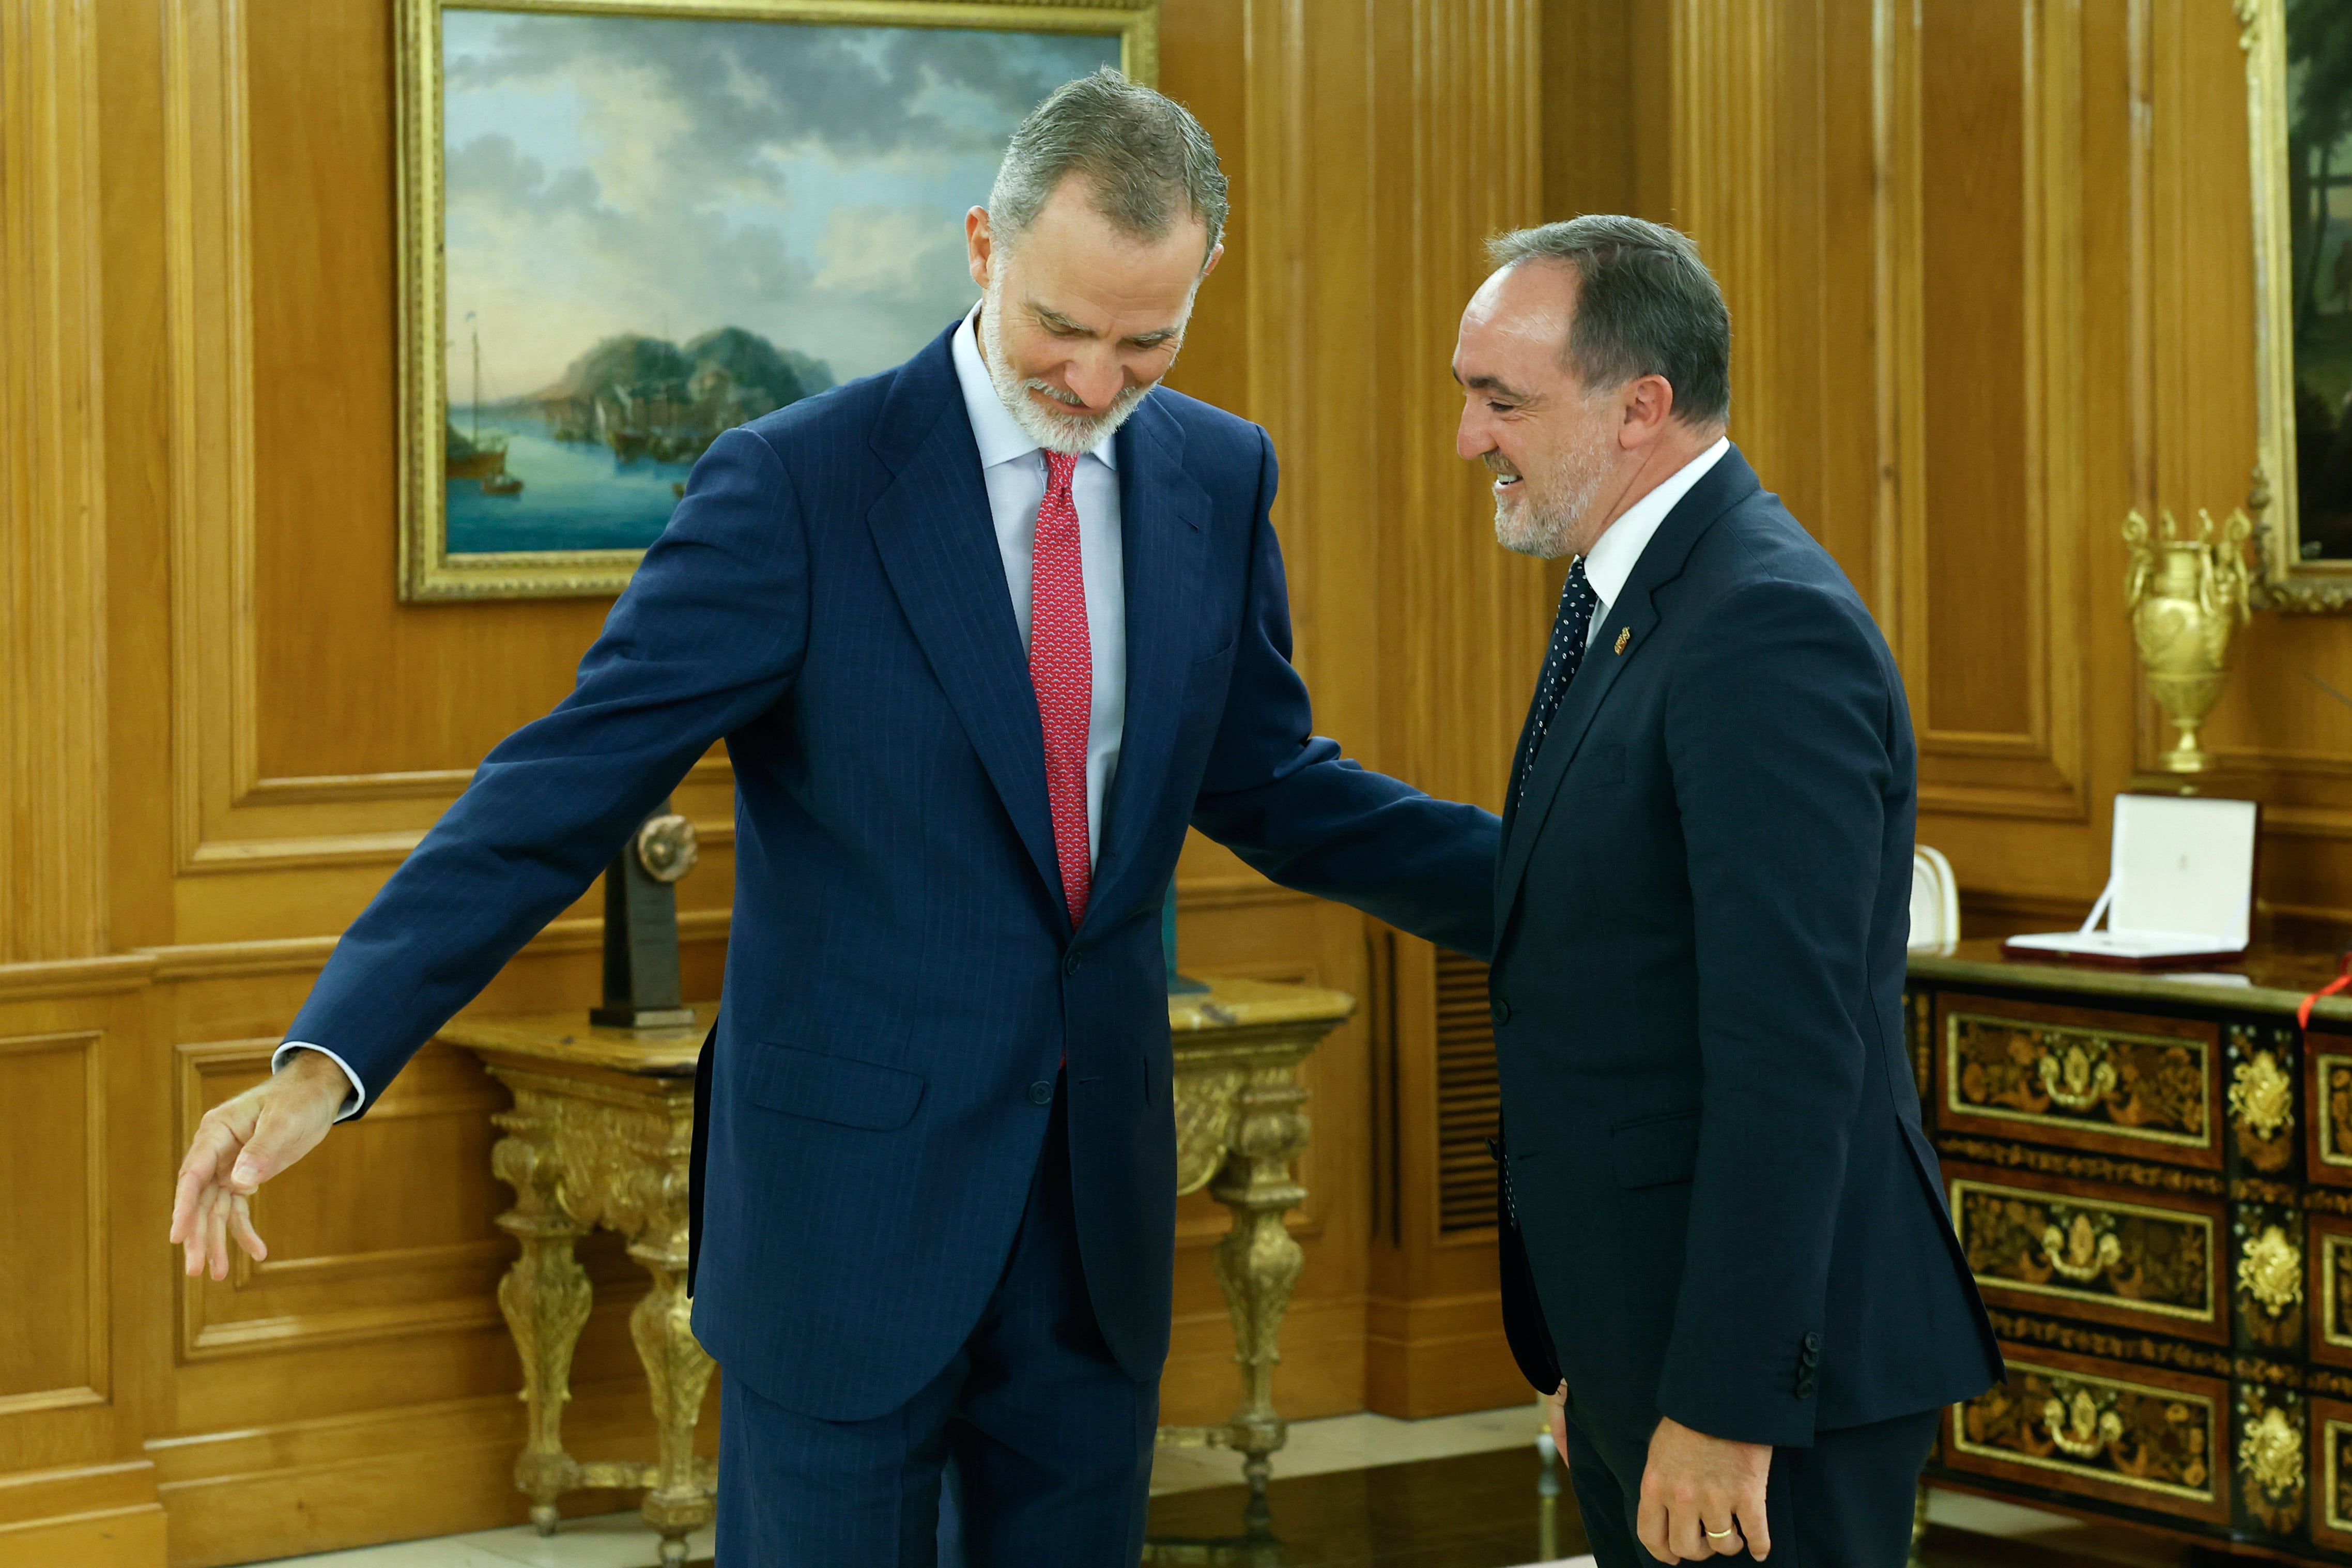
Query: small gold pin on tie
x,y
1624,635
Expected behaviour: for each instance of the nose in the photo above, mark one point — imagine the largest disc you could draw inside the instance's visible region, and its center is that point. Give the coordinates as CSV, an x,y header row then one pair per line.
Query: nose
x,y
1470,437
1098,378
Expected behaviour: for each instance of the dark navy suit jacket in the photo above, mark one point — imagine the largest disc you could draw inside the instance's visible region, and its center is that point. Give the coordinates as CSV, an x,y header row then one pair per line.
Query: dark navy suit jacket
x,y
1714,1150
901,973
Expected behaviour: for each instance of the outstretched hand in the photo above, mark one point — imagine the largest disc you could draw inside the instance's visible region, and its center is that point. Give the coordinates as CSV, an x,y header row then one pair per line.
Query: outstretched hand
x,y
1703,1497
241,1143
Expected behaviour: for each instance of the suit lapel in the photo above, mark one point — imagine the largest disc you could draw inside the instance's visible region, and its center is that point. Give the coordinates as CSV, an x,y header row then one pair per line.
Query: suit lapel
x,y
1159,509
1627,627
933,528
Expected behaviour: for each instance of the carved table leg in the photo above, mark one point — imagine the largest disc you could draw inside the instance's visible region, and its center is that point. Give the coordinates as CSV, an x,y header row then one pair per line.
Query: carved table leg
x,y
545,1297
1257,1261
681,1494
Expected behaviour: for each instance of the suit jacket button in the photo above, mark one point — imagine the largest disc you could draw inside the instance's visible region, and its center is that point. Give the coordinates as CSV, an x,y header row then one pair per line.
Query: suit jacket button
x,y
1041,1094
1502,1011
1814,1343
1804,1388
1070,961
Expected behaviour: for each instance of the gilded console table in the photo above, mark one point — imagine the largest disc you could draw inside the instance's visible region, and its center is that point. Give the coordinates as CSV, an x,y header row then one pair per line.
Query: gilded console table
x,y
1239,1125
601,1134
2151,1178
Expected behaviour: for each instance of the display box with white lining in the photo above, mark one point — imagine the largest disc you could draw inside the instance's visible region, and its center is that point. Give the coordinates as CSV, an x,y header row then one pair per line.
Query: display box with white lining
x,y
2180,887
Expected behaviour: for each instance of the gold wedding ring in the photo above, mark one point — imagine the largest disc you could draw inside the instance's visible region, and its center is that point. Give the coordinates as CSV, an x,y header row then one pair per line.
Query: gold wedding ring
x,y
1716,1534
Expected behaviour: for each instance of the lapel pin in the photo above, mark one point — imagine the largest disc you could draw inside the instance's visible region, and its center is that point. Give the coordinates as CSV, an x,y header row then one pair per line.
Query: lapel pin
x,y
1624,635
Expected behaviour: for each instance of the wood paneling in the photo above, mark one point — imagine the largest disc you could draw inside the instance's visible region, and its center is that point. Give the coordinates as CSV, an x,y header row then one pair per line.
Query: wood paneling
x,y
53,752
53,1345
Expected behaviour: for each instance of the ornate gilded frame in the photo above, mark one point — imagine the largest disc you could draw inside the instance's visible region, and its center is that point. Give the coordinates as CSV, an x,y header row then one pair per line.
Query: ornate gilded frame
x,y
2289,583
426,570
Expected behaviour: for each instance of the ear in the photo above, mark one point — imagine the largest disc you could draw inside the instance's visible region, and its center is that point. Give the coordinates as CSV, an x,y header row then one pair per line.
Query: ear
x,y
1649,406
979,245
1210,265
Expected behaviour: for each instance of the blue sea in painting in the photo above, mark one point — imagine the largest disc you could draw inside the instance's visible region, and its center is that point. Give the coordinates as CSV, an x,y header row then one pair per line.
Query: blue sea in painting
x,y
575,495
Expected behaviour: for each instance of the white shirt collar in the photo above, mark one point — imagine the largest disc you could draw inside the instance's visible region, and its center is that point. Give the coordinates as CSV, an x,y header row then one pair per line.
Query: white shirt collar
x,y
1000,436
1618,548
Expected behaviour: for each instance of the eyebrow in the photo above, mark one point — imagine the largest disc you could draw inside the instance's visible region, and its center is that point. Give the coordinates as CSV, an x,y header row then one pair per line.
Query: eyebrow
x,y
1492,384
1141,340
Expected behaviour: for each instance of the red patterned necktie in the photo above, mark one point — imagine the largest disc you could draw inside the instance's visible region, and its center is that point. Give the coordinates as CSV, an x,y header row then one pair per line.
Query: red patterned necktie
x,y
1062,667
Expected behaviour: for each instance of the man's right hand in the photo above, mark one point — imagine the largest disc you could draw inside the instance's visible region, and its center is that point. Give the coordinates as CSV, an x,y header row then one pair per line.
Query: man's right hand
x,y
241,1143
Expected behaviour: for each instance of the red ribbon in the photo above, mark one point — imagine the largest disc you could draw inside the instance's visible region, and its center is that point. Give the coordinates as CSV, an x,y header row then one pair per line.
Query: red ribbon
x,y
2342,978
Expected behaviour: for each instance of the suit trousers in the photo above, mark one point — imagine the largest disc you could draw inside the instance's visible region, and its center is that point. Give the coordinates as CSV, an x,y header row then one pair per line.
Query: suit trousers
x,y
1051,1441
1845,1503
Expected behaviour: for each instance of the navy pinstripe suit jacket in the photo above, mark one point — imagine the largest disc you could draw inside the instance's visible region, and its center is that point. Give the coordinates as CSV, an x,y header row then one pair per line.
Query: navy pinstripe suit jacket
x,y
829,598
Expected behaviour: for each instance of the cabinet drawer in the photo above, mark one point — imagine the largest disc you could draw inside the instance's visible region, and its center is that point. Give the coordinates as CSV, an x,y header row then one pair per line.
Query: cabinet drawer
x,y
2137,1436
2329,1103
2044,1244
2331,1473
2125,1083
2330,1290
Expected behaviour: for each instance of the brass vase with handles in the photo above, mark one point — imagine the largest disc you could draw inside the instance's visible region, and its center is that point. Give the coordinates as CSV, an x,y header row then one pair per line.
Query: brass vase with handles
x,y
2185,595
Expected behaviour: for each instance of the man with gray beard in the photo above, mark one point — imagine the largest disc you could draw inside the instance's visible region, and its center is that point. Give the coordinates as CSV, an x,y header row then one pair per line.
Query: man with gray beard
x,y
1726,1255
983,633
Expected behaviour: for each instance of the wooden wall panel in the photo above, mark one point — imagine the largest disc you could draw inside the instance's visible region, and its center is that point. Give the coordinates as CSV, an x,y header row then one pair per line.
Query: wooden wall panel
x,y
1972,135
53,1339
53,752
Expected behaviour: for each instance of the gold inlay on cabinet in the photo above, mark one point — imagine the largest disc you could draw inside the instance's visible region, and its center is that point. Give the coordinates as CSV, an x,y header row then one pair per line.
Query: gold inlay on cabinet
x,y
2077,1079
2270,1455
2128,1434
2127,1256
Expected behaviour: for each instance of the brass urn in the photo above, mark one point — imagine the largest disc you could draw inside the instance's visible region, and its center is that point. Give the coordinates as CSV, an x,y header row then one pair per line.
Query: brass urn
x,y
2185,594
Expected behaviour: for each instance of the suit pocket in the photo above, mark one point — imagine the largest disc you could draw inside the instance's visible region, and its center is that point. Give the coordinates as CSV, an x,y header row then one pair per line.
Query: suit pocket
x,y
1595,767
1655,1151
839,1089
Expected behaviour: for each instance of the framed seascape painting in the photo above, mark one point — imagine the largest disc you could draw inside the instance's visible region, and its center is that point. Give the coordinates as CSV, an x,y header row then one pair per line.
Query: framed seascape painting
x,y
2299,124
628,226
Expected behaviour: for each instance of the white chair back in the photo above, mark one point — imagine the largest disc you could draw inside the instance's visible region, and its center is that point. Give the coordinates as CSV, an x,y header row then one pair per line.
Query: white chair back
x,y
1934,901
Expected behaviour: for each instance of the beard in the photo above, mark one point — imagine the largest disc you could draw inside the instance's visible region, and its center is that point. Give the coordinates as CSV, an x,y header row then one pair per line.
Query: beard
x,y
1070,434
1546,517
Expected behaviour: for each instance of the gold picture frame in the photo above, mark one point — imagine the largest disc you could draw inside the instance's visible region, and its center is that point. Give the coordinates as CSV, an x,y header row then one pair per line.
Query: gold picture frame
x,y
2300,573
429,570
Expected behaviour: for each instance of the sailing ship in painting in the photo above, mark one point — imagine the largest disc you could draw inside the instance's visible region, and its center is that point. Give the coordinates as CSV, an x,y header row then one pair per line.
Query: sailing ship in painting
x,y
473,456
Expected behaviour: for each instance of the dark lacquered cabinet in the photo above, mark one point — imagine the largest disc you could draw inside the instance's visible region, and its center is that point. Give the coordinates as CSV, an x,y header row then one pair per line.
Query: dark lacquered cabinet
x,y
2151,1178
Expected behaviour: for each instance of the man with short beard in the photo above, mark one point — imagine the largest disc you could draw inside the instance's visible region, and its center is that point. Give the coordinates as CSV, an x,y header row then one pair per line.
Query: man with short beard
x,y
1726,1255
983,633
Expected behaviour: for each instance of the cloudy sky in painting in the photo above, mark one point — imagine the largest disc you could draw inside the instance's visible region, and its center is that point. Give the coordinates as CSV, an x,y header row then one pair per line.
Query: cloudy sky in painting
x,y
665,175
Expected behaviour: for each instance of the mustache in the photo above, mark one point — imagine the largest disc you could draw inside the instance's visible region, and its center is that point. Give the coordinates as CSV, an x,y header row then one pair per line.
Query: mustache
x,y
1067,399
1498,464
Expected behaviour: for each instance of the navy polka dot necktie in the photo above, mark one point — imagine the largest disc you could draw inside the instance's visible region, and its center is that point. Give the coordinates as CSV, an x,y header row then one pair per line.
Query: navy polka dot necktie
x,y
1577,603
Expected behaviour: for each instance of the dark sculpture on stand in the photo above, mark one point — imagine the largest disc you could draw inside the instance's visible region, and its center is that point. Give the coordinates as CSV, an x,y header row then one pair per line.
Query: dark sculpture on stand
x,y
641,979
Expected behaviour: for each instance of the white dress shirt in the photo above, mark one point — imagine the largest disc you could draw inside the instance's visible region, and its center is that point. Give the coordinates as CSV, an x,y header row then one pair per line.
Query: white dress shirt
x,y
1013,467
1618,548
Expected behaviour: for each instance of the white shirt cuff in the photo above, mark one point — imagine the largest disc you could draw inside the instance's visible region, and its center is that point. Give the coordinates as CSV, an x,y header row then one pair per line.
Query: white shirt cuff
x,y
359,1091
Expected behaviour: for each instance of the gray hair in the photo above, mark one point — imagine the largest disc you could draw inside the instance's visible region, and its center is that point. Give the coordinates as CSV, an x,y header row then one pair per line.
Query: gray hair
x,y
1142,153
1645,305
